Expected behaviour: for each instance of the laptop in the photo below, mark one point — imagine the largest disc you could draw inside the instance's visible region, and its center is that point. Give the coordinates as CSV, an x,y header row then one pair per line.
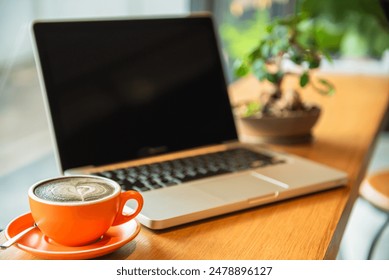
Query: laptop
x,y
144,101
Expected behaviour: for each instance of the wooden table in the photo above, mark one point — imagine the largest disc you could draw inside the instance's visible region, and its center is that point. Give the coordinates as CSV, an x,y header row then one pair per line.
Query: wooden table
x,y
309,227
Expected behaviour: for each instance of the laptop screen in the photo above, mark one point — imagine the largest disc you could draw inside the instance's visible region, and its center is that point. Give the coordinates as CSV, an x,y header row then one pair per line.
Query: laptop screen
x,y
124,89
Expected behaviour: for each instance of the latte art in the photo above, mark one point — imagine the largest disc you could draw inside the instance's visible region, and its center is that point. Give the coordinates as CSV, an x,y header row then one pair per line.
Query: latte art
x,y
74,190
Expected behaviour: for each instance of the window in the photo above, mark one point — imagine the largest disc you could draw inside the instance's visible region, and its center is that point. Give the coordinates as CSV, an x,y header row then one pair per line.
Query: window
x,y
242,23
22,117
26,151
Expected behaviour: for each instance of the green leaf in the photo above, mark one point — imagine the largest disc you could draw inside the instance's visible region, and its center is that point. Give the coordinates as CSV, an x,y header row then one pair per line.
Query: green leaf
x,y
252,108
259,69
241,68
272,78
297,59
269,28
304,79
255,53
328,56
280,46
266,50
314,63
329,87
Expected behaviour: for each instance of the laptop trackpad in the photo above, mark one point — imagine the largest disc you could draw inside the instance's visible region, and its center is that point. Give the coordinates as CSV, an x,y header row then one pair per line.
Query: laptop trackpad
x,y
238,187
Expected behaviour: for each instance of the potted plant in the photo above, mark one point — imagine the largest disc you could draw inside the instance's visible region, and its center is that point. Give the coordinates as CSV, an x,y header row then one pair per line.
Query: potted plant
x,y
279,115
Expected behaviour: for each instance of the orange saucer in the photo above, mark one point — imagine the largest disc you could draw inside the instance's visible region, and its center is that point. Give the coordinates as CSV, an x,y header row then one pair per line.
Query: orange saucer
x,y
39,245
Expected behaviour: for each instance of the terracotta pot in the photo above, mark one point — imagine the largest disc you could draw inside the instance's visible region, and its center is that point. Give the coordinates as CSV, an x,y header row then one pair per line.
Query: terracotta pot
x,y
291,129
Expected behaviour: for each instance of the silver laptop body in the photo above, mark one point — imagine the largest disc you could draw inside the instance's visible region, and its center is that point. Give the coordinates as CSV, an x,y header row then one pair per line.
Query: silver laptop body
x,y
126,93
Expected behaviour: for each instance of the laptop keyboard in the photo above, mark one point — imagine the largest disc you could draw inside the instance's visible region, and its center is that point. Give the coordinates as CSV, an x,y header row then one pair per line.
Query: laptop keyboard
x,y
173,172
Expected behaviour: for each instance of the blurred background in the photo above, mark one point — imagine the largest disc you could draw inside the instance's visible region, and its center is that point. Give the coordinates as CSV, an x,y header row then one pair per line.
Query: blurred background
x,y
355,32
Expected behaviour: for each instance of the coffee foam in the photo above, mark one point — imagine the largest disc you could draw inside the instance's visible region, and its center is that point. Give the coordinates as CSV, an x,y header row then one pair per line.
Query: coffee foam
x,y
74,190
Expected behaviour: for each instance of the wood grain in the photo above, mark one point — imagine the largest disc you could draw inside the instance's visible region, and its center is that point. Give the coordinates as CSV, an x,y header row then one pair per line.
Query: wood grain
x,y
309,227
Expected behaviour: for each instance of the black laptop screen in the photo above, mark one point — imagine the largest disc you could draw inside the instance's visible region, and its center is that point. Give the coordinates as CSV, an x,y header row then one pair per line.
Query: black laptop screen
x,y
123,89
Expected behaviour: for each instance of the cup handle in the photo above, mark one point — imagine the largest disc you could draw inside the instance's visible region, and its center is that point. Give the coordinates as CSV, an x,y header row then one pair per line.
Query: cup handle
x,y
124,196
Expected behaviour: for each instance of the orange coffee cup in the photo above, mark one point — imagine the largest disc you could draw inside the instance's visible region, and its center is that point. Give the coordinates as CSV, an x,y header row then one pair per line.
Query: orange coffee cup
x,y
78,210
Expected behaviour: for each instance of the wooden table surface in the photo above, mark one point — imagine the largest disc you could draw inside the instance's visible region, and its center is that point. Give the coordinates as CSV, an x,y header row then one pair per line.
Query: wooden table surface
x,y
309,227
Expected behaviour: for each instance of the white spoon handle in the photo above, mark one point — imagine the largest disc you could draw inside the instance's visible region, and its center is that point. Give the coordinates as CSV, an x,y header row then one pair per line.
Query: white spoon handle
x,y
11,241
